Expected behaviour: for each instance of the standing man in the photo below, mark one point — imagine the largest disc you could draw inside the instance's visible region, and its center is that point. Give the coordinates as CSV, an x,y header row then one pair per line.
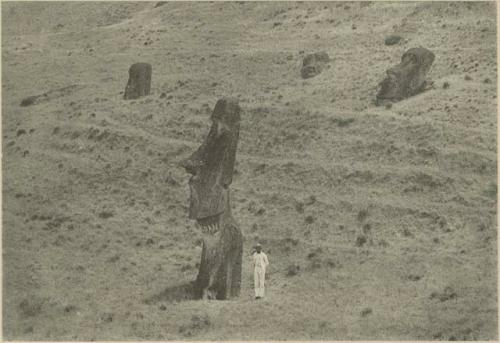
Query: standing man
x,y
260,264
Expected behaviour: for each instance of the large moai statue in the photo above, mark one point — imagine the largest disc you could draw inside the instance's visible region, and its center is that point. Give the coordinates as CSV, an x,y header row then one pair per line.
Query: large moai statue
x,y
139,81
313,64
407,78
211,167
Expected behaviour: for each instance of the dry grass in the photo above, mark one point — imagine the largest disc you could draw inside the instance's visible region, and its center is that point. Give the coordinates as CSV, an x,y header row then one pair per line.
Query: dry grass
x,y
97,244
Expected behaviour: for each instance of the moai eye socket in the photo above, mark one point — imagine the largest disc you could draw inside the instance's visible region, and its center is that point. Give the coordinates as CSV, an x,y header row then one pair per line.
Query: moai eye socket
x,y
409,59
222,128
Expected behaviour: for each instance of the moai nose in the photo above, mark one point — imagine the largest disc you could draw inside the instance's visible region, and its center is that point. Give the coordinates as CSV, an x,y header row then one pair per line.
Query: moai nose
x,y
190,165
394,72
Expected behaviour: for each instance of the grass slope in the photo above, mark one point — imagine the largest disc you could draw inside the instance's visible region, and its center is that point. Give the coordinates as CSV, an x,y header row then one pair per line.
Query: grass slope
x,y
379,223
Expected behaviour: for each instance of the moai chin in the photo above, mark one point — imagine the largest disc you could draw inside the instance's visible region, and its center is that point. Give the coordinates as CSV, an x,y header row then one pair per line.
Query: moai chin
x,y
407,78
211,167
139,81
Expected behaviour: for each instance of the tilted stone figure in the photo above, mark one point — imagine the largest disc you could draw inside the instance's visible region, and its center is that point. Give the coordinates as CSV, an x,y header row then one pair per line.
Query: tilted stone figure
x,y
407,78
212,166
313,64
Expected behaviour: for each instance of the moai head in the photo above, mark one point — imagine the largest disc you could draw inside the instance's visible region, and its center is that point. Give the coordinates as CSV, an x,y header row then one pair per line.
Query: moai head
x,y
313,64
408,77
212,165
139,81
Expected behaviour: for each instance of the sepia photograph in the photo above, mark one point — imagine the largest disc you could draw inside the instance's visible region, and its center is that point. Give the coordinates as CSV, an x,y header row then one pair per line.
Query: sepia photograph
x,y
249,171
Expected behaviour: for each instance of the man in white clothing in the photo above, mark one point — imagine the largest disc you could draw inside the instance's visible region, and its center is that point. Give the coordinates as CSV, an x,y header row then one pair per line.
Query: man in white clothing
x,y
260,264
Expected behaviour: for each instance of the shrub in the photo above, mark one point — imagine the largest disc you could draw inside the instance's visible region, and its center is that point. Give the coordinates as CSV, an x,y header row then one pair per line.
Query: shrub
x,y
28,101
392,39
360,241
292,270
366,312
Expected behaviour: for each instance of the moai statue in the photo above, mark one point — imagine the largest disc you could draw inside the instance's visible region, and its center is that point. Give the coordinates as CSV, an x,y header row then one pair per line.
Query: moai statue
x,y
407,78
139,81
211,167
313,64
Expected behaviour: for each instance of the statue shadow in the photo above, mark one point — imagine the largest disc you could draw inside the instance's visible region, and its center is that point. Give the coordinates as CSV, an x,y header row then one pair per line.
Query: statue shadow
x,y
175,293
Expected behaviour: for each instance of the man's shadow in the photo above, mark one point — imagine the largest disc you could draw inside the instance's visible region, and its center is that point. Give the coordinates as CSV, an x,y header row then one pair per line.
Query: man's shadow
x,y
175,293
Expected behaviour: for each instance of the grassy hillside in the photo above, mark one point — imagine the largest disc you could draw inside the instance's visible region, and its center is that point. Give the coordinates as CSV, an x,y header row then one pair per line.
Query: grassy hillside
x,y
379,223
